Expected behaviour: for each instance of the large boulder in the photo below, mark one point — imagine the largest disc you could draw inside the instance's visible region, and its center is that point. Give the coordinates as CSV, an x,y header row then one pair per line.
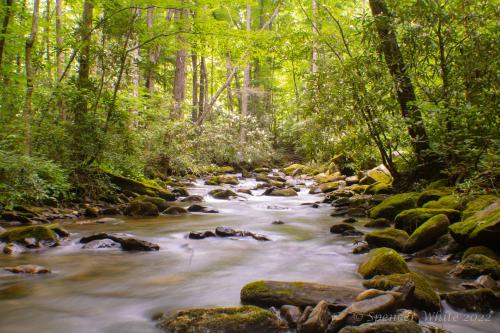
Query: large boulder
x,y
301,294
223,320
410,220
137,207
482,228
218,180
479,300
160,203
446,202
382,261
476,265
222,194
424,297
389,237
127,243
392,206
280,192
130,186
478,204
379,174
35,236
433,194
428,233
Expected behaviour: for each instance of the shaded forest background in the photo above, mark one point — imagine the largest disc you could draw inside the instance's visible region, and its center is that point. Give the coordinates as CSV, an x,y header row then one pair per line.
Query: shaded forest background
x,y
147,89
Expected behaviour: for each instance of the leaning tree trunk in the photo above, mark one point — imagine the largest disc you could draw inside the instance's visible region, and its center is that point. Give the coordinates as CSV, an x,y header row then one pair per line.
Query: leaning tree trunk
x,y
28,112
404,87
5,25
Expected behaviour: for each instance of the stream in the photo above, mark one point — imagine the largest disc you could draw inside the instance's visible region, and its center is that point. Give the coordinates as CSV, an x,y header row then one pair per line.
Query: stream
x,y
114,291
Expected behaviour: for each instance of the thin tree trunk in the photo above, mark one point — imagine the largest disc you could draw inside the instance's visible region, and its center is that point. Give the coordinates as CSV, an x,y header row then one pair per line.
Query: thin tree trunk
x,y
246,86
30,42
194,64
153,54
404,87
59,40
135,58
314,67
179,90
203,87
5,25
86,36
47,40
229,69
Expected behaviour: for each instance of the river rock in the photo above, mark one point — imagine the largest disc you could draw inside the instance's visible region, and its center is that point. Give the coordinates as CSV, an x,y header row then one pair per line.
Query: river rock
x,y
109,220
245,191
301,294
392,206
101,244
35,236
409,220
291,314
428,233
127,243
28,269
276,192
378,223
201,209
479,300
192,198
481,250
201,234
223,320
318,319
475,265
403,326
389,237
341,228
382,261
91,211
222,194
175,210
141,208
484,281
218,180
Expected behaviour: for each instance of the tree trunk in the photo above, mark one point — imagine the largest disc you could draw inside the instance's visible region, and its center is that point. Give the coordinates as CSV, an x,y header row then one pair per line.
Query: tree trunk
x,y
153,54
30,42
180,70
59,40
194,64
404,87
203,87
314,66
229,70
47,40
5,25
86,36
246,86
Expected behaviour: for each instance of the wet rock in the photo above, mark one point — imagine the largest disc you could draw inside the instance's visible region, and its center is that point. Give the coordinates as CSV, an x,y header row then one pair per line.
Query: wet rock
x,y
475,265
410,220
291,314
218,180
379,174
225,232
384,327
12,248
127,243
27,269
378,223
201,209
424,297
331,186
318,319
352,233
275,192
15,216
294,169
245,191
361,247
340,211
481,250
101,244
111,211
480,300
301,294
229,232
109,220
91,211
382,261
175,210
433,195
389,237
484,281
444,246
428,233
349,220
42,235
222,194
193,198
181,191
133,186
201,234
278,222
356,211
141,208
352,180
341,228
392,206
223,320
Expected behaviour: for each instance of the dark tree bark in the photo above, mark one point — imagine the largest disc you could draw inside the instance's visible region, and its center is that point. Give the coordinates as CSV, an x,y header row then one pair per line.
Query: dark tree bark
x,y
86,36
404,87
5,25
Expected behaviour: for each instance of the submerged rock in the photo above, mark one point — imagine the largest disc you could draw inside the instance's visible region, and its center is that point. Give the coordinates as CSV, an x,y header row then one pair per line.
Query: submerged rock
x,y
27,269
201,209
378,223
480,300
193,198
301,294
101,244
201,234
382,261
223,320
402,326
341,228
175,210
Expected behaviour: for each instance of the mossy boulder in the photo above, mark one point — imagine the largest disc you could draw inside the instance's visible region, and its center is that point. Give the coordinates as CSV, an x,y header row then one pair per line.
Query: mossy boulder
x,y
223,320
446,202
428,233
301,294
40,233
222,194
358,188
176,210
218,180
281,192
486,251
160,203
133,186
379,188
479,300
482,228
331,186
476,265
389,237
293,169
478,204
382,261
433,194
392,206
409,220
138,207
378,223
378,175
327,178
404,326
424,297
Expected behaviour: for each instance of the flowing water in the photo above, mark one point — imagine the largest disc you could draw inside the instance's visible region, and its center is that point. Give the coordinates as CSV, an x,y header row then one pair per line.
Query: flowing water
x,y
113,291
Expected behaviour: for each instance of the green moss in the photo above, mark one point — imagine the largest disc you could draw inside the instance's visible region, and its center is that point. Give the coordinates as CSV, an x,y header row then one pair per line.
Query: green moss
x,y
410,220
217,180
227,320
158,202
432,195
222,194
437,184
428,233
379,176
392,206
382,261
478,204
358,188
486,251
331,186
289,170
475,265
446,202
38,232
425,298
389,237
138,207
379,188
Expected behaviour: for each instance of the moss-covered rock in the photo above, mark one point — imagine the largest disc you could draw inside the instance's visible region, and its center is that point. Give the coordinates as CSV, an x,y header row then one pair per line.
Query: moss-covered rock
x,y
379,188
138,207
409,220
331,186
476,265
486,251
478,204
133,186
283,192
218,180
377,175
293,169
327,178
302,294
392,206
428,233
432,195
160,203
446,202
378,223
223,194
37,232
424,297
479,300
223,320
176,210
483,228
389,237
382,261
358,188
